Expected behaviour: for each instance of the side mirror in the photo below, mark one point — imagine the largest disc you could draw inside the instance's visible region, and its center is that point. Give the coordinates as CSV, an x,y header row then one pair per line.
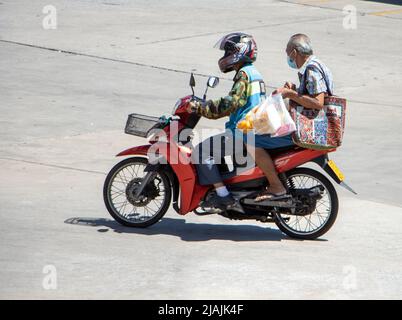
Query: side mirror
x,y
213,82
192,81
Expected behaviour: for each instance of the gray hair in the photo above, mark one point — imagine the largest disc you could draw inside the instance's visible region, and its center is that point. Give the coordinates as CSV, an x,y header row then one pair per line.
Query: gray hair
x,y
301,43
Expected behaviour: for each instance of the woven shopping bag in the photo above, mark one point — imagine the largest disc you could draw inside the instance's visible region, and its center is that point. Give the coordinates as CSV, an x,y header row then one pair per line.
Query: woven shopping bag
x,y
320,129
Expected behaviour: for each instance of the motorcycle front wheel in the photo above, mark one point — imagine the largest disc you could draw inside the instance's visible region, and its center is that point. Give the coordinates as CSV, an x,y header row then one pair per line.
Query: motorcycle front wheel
x,y
119,190
318,215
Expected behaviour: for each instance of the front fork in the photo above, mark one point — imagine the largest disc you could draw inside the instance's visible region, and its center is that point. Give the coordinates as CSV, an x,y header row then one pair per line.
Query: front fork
x,y
152,171
148,178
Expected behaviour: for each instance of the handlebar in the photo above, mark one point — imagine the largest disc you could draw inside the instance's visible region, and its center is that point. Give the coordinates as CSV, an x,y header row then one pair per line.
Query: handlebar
x,y
195,98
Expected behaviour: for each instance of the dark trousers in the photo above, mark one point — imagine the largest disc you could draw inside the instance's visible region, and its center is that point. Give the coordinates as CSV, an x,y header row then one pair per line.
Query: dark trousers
x,y
209,154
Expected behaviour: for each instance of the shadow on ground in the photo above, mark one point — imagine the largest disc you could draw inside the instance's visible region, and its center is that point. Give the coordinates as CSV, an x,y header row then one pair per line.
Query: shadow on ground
x,y
395,2
188,231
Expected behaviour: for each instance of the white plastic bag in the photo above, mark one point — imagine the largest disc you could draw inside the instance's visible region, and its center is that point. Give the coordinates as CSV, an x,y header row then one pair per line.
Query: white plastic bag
x,y
270,117
287,125
266,118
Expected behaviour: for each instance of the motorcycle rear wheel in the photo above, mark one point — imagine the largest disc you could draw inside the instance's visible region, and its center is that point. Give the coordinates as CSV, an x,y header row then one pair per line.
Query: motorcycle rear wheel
x,y
325,210
119,186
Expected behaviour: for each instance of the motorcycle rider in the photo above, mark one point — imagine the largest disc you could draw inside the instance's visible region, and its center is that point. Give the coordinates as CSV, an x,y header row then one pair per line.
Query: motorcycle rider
x,y
240,51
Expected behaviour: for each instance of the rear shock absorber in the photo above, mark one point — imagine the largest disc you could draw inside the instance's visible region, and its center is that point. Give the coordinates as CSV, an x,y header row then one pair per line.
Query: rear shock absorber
x,y
288,183
284,180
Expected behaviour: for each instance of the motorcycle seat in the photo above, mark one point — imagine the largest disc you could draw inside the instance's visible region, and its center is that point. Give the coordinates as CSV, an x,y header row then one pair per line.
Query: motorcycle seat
x,y
278,151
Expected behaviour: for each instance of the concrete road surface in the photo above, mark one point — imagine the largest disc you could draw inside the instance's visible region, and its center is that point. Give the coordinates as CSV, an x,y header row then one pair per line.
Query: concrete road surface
x,y
64,97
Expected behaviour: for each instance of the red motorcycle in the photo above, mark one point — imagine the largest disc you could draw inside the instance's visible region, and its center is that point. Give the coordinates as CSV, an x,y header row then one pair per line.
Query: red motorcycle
x,y
138,192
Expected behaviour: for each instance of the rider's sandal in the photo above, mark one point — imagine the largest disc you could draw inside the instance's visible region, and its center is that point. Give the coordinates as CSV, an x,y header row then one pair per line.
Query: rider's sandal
x,y
266,195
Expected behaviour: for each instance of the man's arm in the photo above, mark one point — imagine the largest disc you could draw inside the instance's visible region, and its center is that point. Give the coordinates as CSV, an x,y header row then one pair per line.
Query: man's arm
x,y
316,89
315,101
225,106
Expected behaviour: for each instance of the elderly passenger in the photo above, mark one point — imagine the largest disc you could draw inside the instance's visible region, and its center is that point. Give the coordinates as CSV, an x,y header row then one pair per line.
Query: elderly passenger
x,y
315,83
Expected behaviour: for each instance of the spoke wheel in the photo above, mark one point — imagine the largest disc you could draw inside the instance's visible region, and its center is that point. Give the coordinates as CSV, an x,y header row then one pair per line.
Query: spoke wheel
x,y
120,189
313,217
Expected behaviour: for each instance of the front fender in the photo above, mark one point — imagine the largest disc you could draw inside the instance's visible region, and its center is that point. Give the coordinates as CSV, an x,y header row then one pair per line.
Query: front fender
x,y
140,151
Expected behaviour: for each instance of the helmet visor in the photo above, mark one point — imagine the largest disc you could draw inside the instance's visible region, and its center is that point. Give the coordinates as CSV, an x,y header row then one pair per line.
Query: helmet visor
x,y
221,43
228,42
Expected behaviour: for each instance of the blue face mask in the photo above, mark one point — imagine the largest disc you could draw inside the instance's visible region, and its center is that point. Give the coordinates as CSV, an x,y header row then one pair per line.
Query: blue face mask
x,y
292,63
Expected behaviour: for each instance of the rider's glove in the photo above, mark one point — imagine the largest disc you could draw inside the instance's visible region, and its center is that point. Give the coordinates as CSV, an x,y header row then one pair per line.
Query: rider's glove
x,y
194,106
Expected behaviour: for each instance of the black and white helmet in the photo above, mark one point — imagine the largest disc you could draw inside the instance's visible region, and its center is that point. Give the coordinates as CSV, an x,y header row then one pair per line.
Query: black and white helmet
x,y
238,47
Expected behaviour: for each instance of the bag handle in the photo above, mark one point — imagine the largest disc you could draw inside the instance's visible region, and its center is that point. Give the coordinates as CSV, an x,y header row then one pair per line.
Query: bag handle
x,y
319,69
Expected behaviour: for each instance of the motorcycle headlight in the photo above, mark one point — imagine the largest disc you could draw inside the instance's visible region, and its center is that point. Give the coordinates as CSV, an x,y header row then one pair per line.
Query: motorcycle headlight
x,y
178,103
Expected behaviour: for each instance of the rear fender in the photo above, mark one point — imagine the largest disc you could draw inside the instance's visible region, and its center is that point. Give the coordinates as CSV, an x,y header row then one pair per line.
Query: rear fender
x,y
322,161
